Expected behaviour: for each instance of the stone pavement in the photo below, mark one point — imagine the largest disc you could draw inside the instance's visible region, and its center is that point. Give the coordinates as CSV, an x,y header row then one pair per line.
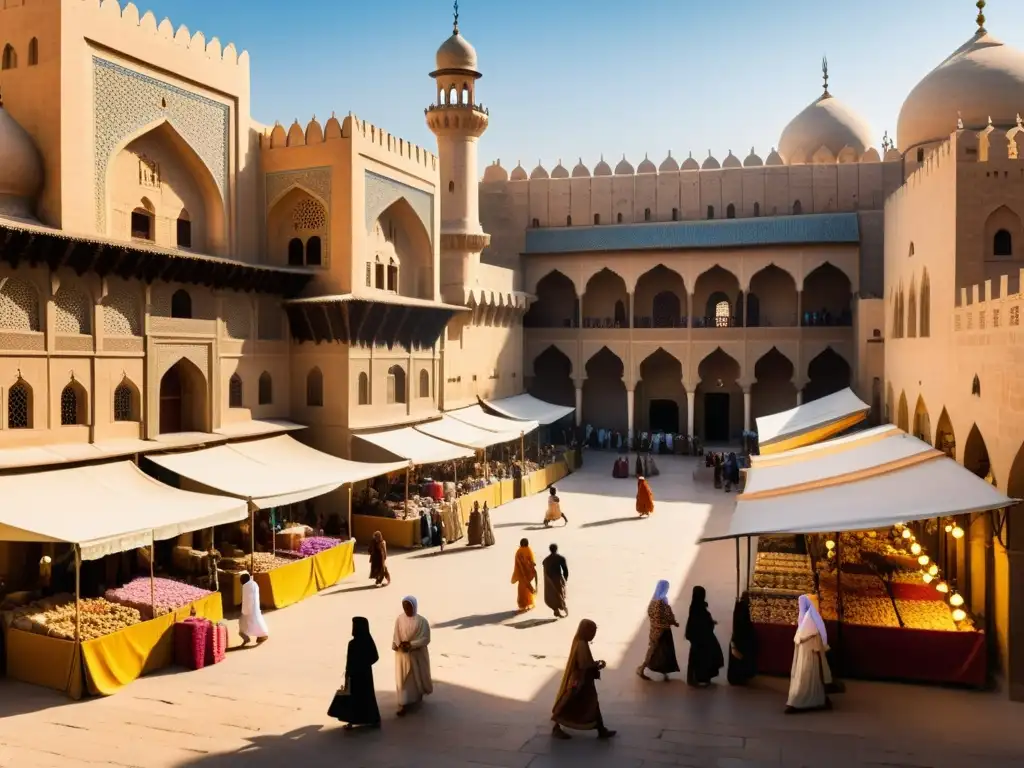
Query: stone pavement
x,y
496,673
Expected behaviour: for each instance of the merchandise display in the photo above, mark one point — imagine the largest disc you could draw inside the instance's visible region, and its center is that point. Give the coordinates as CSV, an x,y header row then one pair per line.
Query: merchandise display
x,y
783,572
313,544
928,614
169,594
774,610
55,617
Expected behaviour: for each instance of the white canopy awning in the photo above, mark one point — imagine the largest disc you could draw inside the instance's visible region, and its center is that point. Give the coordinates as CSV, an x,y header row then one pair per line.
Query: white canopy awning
x,y
883,478
271,472
810,422
476,416
529,408
416,446
460,433
105,508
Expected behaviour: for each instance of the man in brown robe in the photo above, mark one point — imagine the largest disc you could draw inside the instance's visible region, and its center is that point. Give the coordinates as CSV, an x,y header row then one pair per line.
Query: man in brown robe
x,y
556,574
576,705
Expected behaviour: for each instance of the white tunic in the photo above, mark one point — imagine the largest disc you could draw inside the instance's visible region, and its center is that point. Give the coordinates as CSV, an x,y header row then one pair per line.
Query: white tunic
x,y
251,623
412,668
807,677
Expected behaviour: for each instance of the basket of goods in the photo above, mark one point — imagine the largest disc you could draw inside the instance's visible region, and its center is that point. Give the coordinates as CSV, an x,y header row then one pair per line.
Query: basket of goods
x,y
55,617
217,643
190,642
170,595
289,538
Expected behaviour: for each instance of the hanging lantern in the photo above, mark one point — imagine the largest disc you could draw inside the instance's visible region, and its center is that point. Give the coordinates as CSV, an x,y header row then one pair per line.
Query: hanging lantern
x,y
915,548
949,527
958,532
926,578
959,615
906,533
830,545
923,559
956,600
933,569
942,587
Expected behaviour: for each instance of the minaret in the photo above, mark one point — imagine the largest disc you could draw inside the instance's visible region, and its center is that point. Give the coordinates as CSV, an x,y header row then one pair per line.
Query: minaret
x,y
458,122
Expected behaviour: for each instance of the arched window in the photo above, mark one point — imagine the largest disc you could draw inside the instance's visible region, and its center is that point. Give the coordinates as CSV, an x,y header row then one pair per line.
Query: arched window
x,y
451,186
266,389
379,274
235,399
181,304
72,405
465,94
976,386
396,384
33,52
1002,243
675,214
392,275
722,314
711,211
647,214
424,383
757,209
597,218
184,230
10,58
568,221
19,406
618,218
295,252
924,327
797,208
536,223
315,388
453,95
364,389
730,211
142,221
909,255
124,402
314,252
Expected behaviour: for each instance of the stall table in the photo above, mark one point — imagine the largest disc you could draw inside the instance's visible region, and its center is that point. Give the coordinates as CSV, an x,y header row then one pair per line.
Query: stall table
x,y
305,577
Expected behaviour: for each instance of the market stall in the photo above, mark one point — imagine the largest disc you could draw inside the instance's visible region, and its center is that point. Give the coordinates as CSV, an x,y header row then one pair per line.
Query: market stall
x,y
810,422
526,407
100,644
270,473
845,520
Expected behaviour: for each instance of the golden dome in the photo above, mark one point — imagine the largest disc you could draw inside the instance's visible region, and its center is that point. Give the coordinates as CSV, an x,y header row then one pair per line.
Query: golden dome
x,y
983,78
826,122
457,53
21,168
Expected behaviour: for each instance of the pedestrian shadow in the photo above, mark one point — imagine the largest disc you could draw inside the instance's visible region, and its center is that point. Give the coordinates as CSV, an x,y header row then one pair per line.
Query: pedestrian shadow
x,y
612,521
513,525
360,588
449,550
531,623
479,620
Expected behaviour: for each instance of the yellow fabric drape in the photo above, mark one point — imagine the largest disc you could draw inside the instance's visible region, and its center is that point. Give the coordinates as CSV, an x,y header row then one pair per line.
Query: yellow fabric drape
x,y
46,661
333,565
814,435
288,584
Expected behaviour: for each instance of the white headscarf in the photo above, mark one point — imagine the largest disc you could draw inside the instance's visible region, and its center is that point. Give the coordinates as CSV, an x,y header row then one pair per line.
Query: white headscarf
x,y
661,592
809,614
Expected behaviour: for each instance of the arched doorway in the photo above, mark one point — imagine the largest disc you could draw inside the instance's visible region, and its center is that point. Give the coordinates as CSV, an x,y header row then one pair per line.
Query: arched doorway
x,y
974,560
604,392
922,422
659,299
771,301
827,374
660,396
890,403
604,291
552,378
183,399
719,399
945,439
903,414
716,294
827,297
556,303
1012,524
773,390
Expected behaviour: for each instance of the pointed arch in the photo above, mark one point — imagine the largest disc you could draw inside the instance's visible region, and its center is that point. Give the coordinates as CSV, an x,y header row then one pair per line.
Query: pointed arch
x,y
660,398
266,389
828,373
9,59
945,438
912,309
922,421
604,391
400,232
184,399
902,413
20,405
924,327
773,390
127,401
33,52
236,392
73,404
659,299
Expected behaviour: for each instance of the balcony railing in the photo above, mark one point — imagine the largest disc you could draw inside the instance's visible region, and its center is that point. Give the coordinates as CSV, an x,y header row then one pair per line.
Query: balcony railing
x,y
809,320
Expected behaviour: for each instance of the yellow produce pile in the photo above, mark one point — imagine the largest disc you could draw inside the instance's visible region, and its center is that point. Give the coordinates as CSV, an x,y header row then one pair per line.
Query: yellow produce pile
x,y
776,570
773,610
870,611
265,561
926,614
55,617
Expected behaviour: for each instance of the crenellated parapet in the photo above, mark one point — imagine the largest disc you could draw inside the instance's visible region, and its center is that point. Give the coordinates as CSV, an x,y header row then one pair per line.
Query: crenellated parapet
x,y
350,128
986,307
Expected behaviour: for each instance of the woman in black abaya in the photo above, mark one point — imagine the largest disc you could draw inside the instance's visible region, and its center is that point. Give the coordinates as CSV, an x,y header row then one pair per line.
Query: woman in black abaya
x,y
743,647
356,703
705,653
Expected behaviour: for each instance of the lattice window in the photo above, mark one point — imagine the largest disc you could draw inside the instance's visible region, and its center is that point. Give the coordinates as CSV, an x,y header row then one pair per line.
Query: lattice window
x,y
124,402
19,305
981,320
970,320
121,315
995,318
1014,315
19,406
956,323
71,311
309,215
369,274
236,319
722,314
266,396
235,391
70,406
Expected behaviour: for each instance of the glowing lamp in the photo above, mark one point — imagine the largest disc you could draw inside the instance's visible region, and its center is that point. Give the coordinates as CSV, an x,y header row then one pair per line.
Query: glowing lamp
x,y
830,545
906,533
949,527
942,587
956,600
959,615
958,532
915,548
933,570
923,559
926,578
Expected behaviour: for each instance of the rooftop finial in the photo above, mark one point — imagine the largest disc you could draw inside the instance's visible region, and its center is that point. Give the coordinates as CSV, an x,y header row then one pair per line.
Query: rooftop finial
x,y
981,16
824,73
455,25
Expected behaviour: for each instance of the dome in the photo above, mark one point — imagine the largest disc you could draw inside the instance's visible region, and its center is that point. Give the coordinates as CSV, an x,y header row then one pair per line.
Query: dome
x,y
580,170
21,168
731,161
646,166
518,173
826,122
623,168
689,164
539,172
560,171
983,78
494,173
602,168
669,164
456,53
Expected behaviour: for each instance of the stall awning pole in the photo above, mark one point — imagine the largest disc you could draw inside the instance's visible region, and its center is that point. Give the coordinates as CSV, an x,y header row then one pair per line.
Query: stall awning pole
x,y
78,593
350,511
748,560
522,450
252,539
737,567
152,580
407,491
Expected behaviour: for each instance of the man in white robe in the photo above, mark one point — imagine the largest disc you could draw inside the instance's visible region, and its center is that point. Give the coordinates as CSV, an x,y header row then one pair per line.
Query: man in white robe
x,y
810,670
251,623
412,657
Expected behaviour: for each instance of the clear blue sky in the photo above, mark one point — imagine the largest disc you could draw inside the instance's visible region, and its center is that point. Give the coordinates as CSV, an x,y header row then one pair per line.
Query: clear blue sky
x,y
570,78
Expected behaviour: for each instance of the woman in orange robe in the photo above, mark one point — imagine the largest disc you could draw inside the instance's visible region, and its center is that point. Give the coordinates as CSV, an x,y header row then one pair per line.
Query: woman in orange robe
x,y
644,497
525,575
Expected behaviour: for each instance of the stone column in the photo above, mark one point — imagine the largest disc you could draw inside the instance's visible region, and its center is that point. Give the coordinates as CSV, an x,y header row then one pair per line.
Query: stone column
x,y
799,308
746,409
629,409
799,397
691,397
630,318
579,403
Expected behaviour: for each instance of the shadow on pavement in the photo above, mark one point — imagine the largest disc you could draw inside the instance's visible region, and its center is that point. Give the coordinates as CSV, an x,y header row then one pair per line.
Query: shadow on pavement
x,y
479,620
613,521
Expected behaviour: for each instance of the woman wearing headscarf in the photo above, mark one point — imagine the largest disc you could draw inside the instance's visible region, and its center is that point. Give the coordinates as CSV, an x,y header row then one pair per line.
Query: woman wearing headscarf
x,y
488,528
661,649
476,527
412,657
644,497
639,466
743,646
379,559
705,653
524,574
576,705
356,703
807,678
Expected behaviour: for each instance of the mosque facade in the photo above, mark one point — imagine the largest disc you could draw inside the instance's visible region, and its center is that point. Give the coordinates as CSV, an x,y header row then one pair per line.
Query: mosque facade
x,y
172,270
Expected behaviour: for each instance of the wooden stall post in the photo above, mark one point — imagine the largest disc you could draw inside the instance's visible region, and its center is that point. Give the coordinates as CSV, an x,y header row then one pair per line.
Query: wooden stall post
x,y
152,580
487,467
252,539
78,593
407,491
748,561
522,451
273,532
737,567
350,511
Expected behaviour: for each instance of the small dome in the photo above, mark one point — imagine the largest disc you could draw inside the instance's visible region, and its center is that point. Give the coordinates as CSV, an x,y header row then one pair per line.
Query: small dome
x,y
457,53
689,164
731,161
826,122
669,164
982,78
602,168
710,163
580,170
752,160
539,172
646,166
774,158
494,172
560,171
623,168
871,156
21,168
518,173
